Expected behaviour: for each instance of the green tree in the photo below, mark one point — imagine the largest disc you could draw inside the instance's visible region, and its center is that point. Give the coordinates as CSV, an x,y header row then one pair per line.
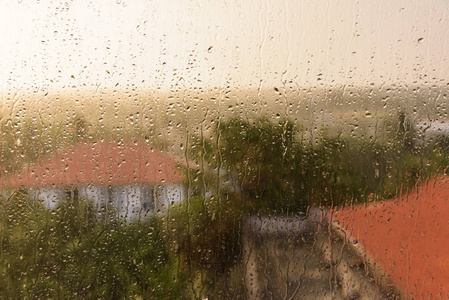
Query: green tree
x,y
263,159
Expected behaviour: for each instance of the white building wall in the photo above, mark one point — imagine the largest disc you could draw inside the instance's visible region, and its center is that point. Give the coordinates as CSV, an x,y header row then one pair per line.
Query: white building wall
x,y
99,195
431,132
128,201
50,196
167,195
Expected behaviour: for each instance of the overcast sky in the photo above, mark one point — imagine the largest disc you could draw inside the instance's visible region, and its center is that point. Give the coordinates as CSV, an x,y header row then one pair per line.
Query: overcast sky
x,y
50,44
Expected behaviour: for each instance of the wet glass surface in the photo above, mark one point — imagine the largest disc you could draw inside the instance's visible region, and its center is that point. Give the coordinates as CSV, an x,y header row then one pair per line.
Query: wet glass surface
x,y
224,150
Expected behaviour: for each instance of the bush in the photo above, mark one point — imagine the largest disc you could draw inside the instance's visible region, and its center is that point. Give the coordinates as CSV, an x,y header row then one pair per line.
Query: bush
x,y
67,253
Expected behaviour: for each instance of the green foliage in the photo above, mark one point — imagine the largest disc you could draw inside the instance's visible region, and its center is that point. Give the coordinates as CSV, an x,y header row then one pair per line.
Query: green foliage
x,y
206,238
273,171
70,253
260,158
406,133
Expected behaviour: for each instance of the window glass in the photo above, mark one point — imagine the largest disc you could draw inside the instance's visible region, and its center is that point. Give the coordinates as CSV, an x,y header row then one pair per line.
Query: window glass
x,y
186,149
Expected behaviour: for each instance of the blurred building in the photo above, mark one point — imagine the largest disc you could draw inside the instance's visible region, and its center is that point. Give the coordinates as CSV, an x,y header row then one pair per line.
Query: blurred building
x,y
431,132
132,179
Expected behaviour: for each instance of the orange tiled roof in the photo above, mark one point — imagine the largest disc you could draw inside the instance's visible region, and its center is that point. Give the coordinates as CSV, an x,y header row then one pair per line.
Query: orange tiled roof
x,y
408,238
101,164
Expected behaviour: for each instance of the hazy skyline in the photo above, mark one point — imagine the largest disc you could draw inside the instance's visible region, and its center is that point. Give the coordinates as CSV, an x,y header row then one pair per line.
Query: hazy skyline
x,y
249,44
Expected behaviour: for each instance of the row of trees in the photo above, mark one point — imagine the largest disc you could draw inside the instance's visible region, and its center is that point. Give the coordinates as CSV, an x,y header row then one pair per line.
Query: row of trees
x,y
276,171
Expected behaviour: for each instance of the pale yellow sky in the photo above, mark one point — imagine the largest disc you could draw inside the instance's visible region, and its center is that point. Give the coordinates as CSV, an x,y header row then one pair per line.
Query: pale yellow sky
x,y
170,44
